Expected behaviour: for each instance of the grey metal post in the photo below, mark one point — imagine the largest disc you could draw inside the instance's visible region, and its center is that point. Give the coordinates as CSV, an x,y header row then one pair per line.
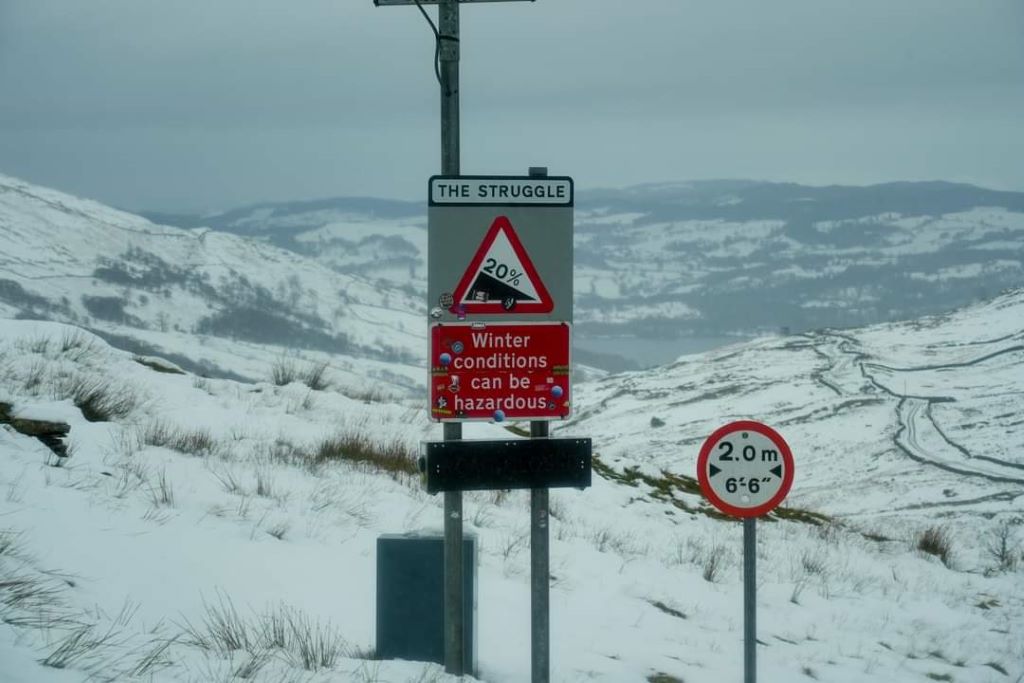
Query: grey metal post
x,y
448,54
540,623
454,657
454,637
540,558
750,600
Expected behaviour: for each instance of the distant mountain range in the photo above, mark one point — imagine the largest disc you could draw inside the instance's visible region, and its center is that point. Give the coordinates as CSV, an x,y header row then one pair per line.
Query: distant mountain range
x,y
675,266
709,258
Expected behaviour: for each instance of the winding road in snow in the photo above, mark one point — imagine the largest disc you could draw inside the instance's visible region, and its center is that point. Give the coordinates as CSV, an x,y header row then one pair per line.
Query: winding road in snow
x,y
918,435
920,438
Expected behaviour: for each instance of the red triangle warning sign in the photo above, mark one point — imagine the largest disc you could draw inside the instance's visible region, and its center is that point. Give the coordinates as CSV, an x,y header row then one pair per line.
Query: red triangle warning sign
x,y
501,277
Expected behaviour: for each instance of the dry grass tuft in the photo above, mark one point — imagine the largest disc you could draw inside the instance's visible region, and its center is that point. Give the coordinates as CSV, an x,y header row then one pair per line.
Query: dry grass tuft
x,y
313,375
391,456
300,639
194,441
100,400
935,541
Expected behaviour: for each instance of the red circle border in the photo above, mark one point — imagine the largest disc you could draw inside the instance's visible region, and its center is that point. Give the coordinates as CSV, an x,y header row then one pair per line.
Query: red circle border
x,y
748,426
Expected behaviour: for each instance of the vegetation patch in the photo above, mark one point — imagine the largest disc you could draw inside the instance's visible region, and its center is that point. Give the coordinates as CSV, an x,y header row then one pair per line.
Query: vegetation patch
x,y
935,541
799,515
390,456
284,630
266,326
1002,548
665,486
99,400
666,609
13,293
661,677
998,667
988,603
190,441
109,308
313,375
158,365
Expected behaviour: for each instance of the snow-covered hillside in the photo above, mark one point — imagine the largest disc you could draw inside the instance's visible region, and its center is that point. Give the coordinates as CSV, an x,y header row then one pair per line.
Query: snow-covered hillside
x,y
896,426
712,258
206,529
237,304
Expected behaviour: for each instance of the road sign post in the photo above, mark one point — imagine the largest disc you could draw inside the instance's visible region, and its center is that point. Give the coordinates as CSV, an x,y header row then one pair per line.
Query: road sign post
x,y
512,293
745,469
499,290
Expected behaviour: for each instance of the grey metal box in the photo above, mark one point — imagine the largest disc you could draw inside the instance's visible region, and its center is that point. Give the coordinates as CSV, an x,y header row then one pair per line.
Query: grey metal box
x,y
410,598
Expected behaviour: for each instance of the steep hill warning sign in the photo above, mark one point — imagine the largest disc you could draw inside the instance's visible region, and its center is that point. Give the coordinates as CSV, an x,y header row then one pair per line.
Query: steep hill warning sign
x,y
499,371
499,249
501,277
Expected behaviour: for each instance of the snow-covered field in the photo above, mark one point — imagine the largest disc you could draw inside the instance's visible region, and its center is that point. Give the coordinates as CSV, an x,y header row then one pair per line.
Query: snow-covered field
x,y
194,509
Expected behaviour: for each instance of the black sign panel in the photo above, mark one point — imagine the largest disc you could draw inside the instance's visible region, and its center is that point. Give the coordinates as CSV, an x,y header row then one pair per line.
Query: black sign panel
x,y
510,464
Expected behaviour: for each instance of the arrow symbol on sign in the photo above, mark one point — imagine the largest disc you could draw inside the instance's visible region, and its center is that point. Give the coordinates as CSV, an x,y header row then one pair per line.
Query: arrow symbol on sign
x,y
777,471
712,470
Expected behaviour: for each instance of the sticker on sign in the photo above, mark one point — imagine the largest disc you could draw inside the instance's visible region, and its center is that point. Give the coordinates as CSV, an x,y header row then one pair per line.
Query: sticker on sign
x,y
745,468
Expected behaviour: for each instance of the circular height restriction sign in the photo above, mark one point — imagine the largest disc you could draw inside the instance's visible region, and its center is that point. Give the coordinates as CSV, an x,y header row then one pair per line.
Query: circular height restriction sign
x,y
745,468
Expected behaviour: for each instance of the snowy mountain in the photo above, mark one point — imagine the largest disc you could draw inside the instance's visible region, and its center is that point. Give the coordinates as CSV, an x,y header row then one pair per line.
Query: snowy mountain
x,y
710,258
208,529
239,305
202,503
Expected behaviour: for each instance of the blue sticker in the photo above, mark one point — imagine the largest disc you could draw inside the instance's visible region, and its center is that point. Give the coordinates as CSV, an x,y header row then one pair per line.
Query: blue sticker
x,y
445,358
499,416
556,391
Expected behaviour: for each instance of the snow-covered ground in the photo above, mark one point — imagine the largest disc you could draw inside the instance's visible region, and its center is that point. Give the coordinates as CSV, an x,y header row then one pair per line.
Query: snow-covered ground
x,y
237,304
193,503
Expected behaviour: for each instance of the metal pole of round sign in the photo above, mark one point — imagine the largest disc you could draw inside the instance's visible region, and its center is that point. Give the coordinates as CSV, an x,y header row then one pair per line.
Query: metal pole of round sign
x,y
746,469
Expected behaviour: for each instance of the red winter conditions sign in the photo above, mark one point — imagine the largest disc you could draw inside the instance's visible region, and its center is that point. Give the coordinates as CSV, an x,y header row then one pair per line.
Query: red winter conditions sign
x,y
499,371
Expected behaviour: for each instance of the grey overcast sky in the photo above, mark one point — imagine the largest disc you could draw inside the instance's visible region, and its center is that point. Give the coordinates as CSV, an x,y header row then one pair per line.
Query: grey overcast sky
x,y
207,104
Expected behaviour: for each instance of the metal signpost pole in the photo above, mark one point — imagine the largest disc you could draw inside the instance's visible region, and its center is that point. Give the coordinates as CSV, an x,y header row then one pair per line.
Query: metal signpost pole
x,y
540,633
540,565
448,54
750,600
448,74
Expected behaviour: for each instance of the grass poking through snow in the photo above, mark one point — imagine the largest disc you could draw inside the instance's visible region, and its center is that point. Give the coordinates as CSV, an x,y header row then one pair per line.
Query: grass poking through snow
x,y
391,456
99,400
300,639
188,441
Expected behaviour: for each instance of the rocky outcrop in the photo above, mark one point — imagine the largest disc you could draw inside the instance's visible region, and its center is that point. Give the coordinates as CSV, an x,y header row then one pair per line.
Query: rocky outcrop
x,y
51,434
